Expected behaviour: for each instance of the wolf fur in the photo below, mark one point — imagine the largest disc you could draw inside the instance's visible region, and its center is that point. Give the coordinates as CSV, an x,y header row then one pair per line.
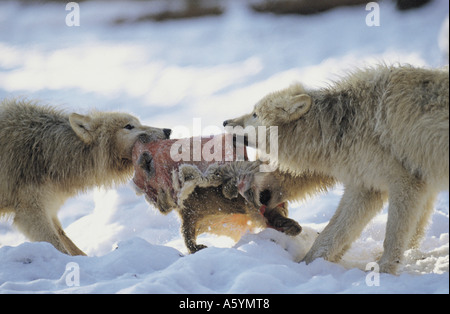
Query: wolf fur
x,y
47,156
384,133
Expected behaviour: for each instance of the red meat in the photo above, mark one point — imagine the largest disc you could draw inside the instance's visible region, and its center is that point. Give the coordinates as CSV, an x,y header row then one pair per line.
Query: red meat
x,y
163,157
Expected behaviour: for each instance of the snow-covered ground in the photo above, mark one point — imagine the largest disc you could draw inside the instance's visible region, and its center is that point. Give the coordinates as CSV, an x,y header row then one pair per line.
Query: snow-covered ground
x,y
211,68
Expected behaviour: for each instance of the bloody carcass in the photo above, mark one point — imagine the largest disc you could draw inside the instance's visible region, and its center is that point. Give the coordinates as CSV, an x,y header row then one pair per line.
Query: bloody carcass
x,y
199,178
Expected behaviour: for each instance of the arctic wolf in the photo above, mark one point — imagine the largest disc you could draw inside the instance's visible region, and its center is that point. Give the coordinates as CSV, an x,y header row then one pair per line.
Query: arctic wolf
x,y
384,133
47,156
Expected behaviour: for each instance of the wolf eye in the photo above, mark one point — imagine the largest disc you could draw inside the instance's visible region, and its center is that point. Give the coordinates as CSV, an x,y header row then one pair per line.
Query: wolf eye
x,y
129,127
255,115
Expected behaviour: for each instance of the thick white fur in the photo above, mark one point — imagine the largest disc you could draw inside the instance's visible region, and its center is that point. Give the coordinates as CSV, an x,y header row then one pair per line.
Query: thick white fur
x,y
384,133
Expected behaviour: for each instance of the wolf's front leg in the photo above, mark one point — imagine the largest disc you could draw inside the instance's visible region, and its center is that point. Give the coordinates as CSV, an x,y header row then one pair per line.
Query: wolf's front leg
x,y
407,202
356,208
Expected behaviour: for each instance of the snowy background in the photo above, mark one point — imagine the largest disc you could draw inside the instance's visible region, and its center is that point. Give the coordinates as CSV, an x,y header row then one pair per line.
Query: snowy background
x,y
213,68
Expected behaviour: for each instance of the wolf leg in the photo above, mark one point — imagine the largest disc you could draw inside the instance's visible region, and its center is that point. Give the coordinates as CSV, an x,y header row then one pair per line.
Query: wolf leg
x,y
68,244
356,208
407,198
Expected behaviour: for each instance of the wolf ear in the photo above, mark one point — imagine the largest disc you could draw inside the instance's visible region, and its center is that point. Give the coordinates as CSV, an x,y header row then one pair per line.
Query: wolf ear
x,y
300,105
81,125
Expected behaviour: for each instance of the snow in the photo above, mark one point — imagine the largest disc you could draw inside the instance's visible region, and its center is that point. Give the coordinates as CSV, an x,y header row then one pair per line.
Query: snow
x,y
212,68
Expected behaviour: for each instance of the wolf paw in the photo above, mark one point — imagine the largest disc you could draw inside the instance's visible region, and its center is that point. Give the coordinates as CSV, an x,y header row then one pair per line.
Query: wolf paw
x,y
196,247
230,189
389,267
287,226
189,173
